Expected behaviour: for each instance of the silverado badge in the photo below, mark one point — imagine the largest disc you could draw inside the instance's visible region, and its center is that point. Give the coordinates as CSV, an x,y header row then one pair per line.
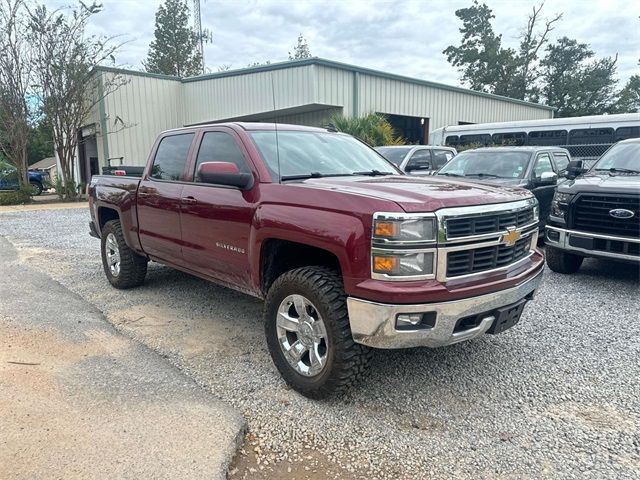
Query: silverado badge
x,y
511,237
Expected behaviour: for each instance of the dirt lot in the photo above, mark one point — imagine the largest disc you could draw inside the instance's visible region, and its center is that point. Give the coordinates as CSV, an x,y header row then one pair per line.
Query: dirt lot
x,y
555,397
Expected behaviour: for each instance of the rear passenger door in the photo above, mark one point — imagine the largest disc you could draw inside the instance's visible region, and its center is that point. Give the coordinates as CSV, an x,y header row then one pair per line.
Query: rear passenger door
x,y
159,198
216,219
419,162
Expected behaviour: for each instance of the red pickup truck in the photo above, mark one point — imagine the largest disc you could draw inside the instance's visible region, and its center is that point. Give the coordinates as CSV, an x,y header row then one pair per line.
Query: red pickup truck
x,y
347,252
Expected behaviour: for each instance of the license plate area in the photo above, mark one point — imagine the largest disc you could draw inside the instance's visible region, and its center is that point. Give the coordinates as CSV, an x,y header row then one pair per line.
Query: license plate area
x,y
507,317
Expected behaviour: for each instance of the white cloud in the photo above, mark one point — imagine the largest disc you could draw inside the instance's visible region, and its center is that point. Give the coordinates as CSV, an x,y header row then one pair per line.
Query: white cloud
x,y
403,37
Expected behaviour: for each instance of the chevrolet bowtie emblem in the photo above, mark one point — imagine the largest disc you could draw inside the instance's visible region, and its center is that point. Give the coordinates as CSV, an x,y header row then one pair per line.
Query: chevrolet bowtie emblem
x,y
510,238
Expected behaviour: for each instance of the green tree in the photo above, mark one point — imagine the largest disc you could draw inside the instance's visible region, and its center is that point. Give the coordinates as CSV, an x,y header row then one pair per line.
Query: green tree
x,y
300,50
488,66
174,50
373,129
575,83
39,141
629,97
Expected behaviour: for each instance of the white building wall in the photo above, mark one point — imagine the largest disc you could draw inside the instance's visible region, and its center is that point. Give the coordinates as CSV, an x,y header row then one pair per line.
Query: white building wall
x,y
147,105
223,97
136,113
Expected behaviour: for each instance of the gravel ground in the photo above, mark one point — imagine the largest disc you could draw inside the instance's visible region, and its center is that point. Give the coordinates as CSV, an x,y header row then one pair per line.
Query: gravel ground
x,y
557,396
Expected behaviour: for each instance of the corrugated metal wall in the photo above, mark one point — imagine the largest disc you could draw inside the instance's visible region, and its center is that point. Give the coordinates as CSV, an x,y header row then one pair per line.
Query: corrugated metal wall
x,y
443,107
252,93
147,105
136,113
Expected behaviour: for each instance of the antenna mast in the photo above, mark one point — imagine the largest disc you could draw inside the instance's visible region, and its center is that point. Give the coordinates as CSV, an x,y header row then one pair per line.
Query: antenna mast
x,y
197,25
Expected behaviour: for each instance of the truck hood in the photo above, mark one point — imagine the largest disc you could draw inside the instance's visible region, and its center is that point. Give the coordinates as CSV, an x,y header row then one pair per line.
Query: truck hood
x,y
602,183
425,194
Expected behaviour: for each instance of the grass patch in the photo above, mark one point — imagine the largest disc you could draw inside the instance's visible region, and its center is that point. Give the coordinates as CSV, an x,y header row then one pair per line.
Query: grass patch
x,y
16,197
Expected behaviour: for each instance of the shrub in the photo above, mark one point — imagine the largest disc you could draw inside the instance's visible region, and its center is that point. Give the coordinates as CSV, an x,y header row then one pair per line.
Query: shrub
x,y
16,197
373,129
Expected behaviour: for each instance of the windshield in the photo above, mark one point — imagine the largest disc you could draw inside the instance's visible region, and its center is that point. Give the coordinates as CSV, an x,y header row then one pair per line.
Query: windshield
x,y
491,164
394,154
317,154
622,156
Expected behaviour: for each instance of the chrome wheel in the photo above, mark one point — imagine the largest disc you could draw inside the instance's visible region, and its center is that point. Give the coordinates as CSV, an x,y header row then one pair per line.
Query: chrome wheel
x,y
302,335
112,252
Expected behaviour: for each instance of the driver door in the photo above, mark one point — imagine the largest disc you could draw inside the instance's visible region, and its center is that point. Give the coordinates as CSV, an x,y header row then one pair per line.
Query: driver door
x,y
216,219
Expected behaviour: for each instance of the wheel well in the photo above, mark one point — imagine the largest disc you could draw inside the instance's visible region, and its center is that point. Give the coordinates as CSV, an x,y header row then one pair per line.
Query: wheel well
x,y
105,215
280,256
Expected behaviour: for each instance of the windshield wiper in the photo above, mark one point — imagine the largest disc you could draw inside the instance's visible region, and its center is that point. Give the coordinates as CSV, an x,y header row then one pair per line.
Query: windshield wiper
x,y
617,170
306,176
489,175
449,174
373,173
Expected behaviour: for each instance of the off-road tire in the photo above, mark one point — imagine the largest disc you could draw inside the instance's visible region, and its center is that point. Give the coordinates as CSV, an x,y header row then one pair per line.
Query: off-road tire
x,y
37,188
347,361
133,267
561,261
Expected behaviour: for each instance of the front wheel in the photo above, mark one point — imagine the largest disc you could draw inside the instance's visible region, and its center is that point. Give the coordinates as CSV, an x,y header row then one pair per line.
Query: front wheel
x,y
561,261
123,267
308,334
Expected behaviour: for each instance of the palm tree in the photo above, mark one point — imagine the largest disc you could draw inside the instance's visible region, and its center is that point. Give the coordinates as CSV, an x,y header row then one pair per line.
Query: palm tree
x,y
372,128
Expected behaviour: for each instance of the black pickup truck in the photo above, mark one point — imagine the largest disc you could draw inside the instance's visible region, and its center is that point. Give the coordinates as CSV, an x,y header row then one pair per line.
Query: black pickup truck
x,y
597,213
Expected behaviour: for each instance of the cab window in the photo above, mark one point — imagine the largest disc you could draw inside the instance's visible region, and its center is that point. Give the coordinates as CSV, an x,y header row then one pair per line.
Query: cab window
x,y
171,157
543,164
420,160
562,161
220,147
441,157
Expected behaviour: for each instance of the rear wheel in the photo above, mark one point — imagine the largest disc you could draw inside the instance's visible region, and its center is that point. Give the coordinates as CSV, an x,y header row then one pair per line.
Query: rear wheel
x,y
561,261
36,188
123,267
308,333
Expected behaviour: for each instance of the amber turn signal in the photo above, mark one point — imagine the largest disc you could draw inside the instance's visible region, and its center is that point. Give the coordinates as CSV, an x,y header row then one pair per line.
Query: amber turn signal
x,y
384,264
385,229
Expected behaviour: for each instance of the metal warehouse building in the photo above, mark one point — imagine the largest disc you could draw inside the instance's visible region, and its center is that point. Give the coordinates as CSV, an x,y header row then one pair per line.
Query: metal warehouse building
x,y
305,92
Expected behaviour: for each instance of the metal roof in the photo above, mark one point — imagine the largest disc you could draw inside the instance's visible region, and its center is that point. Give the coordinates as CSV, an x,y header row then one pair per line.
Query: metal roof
x,y
332,64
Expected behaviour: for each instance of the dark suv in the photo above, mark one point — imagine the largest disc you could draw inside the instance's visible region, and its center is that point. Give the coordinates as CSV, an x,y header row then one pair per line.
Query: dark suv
x,y
538,169
597,213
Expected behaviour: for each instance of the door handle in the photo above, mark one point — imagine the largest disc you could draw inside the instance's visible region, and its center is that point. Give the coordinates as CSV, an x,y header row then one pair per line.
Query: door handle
x,y
189,200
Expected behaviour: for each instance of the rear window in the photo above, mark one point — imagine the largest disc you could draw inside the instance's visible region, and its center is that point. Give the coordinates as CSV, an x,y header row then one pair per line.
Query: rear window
x,y
171,157
441,157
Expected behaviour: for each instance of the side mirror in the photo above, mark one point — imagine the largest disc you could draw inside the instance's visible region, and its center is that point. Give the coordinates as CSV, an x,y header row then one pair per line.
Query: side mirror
x,y
574,169
224,173
547,178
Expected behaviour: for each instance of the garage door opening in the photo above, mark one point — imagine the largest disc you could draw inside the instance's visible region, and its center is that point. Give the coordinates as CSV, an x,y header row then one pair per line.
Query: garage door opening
x,y
415,130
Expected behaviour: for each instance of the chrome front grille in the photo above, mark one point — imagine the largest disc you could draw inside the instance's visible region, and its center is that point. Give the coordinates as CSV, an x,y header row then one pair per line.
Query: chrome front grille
x,y
487,224
484,238
481,259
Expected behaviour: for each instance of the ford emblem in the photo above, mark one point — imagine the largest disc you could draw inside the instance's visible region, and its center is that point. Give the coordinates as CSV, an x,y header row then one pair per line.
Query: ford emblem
x,y
621,213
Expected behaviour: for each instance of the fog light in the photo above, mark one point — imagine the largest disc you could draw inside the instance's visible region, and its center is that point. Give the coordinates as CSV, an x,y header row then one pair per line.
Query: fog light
x,y
553,235
415,321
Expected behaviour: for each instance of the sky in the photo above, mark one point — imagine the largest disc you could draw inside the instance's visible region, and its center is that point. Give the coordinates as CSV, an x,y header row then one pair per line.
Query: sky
x,y
401,37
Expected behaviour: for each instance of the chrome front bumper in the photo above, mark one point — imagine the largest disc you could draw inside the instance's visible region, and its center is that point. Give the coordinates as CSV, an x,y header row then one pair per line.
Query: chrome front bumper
x,y
374,324
563,242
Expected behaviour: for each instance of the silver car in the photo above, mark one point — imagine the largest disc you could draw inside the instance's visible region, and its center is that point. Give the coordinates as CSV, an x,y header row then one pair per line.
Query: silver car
x,y
417,159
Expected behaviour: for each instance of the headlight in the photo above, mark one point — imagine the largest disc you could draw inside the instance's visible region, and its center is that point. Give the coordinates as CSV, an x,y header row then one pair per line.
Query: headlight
x,y
560,204
400,229
403,264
